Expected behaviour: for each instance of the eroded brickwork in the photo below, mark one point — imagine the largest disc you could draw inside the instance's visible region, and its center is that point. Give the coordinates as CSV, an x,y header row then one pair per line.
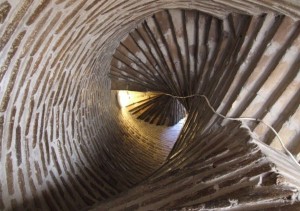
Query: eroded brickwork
x,y
233,175
62,144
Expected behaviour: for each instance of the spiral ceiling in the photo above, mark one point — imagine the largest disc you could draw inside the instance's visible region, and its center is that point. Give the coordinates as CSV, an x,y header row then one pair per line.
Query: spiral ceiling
x,y
65,143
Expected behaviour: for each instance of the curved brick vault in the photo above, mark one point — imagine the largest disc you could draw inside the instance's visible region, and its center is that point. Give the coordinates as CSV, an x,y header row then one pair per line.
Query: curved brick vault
x,y
65,145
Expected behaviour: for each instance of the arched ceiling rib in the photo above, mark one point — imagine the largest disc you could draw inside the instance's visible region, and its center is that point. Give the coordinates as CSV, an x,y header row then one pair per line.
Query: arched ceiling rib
x,y
245,65
64,144
159,110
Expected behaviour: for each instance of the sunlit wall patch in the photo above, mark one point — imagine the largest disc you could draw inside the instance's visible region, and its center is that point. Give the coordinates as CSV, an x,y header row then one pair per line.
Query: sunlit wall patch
x,y
123,98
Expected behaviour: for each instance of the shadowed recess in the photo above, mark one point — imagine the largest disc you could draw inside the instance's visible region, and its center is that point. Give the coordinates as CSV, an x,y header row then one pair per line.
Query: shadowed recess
x,y
159,110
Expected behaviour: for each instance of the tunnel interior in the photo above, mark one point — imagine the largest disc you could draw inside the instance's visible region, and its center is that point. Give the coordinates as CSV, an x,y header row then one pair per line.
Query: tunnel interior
x,y
67,144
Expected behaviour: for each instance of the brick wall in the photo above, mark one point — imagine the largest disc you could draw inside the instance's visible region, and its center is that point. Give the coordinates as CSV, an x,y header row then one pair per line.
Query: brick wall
x,y
62,143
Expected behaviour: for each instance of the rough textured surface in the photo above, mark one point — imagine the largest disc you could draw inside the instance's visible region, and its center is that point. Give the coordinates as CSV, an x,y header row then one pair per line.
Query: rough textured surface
x,y
246,65
64,145
233,175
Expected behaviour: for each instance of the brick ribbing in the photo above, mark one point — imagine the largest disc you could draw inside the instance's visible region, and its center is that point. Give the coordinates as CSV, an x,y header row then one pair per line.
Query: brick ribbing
x,y
235,174
158,109
56,122
238,62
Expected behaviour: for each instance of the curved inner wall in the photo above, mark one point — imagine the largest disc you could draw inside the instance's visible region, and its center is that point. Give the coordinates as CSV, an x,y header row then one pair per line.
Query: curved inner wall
x,y
64,143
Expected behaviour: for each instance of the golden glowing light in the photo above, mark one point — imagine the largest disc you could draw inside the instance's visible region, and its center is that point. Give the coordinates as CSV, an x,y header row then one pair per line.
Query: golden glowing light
x,y
124,98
